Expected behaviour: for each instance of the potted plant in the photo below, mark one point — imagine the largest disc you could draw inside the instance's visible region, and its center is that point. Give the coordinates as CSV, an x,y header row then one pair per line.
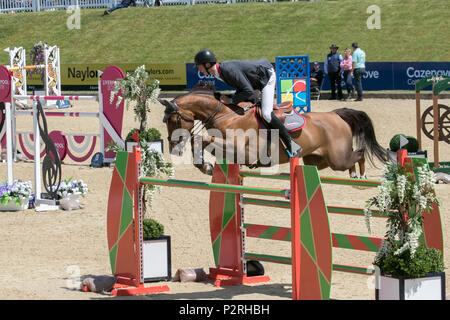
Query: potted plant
x,y
156,252
151,138
407,268
15,197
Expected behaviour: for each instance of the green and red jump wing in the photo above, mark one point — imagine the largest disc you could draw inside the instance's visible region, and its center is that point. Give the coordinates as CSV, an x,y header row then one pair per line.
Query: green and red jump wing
x,y
224,219
121,237
316,244
432,224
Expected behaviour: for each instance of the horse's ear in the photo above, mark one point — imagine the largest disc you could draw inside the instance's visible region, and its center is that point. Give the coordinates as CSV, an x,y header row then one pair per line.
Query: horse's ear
x,y
162,101
170,107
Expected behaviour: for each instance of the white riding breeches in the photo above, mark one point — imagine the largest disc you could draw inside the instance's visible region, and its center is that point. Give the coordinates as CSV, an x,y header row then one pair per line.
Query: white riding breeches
x,y
267,95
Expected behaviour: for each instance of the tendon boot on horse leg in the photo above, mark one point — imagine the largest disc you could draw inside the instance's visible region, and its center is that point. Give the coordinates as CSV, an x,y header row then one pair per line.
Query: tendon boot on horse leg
x,y
286,138
362,168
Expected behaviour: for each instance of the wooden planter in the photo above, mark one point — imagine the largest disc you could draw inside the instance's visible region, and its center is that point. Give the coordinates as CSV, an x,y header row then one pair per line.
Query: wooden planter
x,y
157,259
428,287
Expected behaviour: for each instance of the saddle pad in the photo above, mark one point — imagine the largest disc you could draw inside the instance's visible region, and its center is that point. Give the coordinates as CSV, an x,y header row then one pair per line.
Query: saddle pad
x,y
294,121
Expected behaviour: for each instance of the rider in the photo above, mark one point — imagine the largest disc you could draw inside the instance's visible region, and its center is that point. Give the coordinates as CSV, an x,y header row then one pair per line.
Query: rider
x,y
246,77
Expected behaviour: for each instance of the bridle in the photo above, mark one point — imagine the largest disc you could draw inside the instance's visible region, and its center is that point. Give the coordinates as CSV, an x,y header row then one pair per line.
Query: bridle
x,y
174,109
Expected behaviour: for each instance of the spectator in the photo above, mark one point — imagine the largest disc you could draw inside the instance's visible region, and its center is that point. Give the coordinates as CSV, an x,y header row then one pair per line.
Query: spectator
x,y
333,70
123,4
359,69
316,76
347,66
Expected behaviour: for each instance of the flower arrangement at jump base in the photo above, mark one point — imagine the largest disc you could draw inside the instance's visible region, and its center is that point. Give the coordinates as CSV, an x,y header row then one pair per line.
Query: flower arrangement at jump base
x,y
69,193
405,198
38,58
16,196
69,188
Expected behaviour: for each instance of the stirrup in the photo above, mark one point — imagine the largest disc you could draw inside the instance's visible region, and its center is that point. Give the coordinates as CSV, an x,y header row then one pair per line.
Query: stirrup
x,y
292,155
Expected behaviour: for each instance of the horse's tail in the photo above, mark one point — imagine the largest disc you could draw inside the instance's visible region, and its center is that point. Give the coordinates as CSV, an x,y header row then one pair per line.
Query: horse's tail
x,y
364,133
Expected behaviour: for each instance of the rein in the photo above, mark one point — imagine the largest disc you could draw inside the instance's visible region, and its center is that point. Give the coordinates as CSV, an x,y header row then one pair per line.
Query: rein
x,y
197,127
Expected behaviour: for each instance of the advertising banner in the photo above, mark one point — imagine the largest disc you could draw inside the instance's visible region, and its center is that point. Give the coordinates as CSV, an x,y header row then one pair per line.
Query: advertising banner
x,y
406,73
379,75
86,75
397,75
193,76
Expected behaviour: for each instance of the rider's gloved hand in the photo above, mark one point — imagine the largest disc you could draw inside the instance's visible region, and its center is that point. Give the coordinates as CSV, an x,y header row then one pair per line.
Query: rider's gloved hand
x,y
225,99
244,104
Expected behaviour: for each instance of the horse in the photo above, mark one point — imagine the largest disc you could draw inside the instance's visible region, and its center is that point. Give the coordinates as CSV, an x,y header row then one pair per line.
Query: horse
x,y
326,138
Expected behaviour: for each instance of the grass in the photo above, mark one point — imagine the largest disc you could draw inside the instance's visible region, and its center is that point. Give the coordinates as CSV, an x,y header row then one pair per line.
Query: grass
x,y
411,30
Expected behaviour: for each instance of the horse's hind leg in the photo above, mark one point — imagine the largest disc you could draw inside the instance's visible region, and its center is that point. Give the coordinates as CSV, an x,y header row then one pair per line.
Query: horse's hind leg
x,y
362,168
352,172
342,161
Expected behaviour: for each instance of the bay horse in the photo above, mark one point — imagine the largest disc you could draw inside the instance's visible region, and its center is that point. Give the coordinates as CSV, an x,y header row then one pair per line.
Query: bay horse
x,y
326,138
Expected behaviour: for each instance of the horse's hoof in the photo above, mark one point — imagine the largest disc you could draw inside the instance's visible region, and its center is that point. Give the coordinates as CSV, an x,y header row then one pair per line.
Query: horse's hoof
x,y
364,177
209,168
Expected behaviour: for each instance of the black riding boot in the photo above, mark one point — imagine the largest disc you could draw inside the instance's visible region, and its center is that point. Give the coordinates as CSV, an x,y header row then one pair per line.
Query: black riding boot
x,y
276,123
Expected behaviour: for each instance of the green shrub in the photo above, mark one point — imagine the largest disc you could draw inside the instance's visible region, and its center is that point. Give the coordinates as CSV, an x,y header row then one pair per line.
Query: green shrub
x,y
425,260
148,135
152,229
411,146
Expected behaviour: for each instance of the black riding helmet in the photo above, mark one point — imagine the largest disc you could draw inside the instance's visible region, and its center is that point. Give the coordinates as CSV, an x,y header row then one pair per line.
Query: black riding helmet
x,y
205,56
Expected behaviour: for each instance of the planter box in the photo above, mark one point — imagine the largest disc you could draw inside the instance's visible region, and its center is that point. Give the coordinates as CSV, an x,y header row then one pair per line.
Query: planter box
x,y
155,145
12,206
429,287
157,262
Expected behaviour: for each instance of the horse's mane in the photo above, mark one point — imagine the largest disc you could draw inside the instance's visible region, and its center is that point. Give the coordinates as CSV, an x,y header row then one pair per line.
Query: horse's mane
x,y
204,87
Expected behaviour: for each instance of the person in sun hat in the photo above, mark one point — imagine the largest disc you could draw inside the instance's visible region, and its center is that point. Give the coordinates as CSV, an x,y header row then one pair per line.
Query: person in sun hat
x,y
333,71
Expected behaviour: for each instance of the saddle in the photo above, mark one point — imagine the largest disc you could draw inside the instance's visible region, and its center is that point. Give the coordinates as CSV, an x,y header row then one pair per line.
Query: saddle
x,y
285,112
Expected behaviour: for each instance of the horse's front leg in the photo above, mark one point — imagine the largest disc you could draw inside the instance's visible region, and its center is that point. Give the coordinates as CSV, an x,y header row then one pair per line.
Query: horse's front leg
x,y
198,144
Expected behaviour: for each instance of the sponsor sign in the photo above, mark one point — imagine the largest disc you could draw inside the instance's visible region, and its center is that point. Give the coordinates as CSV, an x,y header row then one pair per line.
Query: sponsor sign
x,y
5,85
396,75
406,73
87,74
193,76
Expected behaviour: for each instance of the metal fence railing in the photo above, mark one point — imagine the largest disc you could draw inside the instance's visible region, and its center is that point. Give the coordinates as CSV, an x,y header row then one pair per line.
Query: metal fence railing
x,y
40,5
7,6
